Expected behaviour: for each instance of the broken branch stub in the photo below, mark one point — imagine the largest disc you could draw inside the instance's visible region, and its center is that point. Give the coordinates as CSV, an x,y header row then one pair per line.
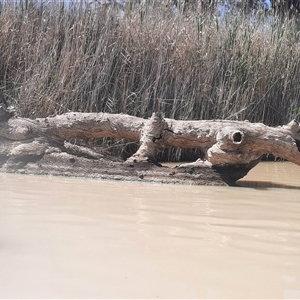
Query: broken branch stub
x,y
231,148
150,136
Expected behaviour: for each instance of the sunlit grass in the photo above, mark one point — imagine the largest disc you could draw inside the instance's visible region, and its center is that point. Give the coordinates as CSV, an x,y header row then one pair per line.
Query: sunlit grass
x,y
55,59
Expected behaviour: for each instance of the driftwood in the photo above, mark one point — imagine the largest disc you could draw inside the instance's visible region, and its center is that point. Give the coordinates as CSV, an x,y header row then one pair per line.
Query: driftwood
x,y
230,148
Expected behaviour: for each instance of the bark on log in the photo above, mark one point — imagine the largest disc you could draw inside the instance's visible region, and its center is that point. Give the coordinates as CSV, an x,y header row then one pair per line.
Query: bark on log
x,y
231,148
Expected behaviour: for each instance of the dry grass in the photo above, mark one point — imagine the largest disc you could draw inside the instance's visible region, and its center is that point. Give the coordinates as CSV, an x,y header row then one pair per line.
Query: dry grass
x,y
55,59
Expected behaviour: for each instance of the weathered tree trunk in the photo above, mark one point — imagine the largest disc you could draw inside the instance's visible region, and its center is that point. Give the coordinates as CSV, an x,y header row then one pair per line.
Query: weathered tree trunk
x,y
231,148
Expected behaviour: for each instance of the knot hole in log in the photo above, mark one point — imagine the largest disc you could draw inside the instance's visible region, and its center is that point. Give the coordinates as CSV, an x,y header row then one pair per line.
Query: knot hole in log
x,y
237,137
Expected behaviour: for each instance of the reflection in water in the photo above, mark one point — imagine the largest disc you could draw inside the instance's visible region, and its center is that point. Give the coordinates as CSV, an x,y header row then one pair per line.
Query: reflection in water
x,y
78,238
263,185
278,175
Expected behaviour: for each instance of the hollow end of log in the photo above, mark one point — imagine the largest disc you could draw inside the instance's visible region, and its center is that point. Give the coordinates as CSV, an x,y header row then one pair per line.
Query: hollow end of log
x,y
6,112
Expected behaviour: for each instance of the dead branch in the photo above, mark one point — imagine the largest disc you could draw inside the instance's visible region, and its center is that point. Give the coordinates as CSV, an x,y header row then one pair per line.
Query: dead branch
x,y
231,148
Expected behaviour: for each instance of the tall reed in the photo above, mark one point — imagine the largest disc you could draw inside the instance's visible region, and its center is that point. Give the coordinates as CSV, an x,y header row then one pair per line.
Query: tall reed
x,y
58,58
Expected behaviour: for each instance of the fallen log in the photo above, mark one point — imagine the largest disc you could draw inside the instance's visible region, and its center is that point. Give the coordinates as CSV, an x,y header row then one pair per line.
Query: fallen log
x,y
230,148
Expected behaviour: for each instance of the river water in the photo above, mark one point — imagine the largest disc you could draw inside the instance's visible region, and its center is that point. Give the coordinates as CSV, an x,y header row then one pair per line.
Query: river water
x,y
82,238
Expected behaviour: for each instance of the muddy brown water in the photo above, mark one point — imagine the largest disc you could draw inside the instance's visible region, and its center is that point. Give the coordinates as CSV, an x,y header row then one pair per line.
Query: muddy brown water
x,y
83,238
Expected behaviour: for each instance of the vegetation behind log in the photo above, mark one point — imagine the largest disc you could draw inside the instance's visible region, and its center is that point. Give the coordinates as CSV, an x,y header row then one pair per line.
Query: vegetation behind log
x,y
55,59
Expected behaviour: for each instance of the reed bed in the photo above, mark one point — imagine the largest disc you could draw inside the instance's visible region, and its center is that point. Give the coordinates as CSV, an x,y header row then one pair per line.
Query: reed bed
x,y
58,58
